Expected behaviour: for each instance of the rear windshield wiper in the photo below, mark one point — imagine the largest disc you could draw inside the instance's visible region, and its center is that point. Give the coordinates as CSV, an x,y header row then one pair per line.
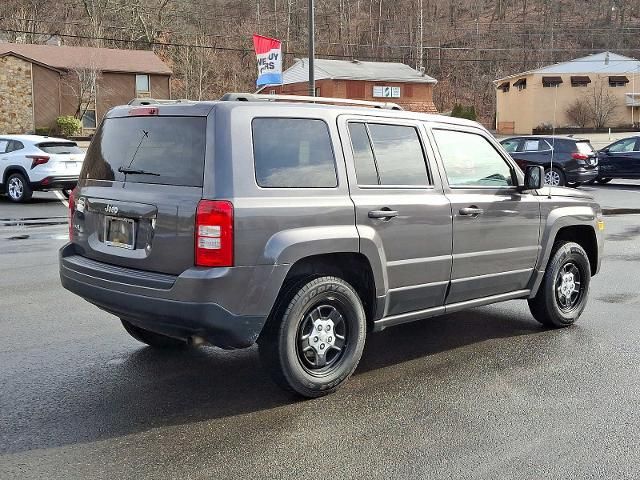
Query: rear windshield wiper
x,y
135,171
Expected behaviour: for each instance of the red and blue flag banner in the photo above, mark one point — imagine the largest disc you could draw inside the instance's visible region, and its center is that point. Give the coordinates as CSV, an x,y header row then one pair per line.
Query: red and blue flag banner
x,y
269,54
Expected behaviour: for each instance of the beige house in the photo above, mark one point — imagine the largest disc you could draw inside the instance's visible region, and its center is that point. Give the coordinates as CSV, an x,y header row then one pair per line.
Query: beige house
x,y
532,99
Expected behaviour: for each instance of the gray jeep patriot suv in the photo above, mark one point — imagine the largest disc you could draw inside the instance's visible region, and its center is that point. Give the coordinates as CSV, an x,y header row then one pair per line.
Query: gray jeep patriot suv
x,y
303,227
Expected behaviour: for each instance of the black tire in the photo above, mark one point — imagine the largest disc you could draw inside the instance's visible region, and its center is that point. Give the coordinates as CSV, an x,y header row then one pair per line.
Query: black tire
x,y
574,184
554,172
602,181
18,189
552,308
296,362
152,339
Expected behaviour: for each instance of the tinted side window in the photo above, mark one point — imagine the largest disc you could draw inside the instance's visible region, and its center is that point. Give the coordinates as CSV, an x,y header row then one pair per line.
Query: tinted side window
x,y
626,145
14,146
293,153
536,145
470,160
511,145
3,145
398,154
366,172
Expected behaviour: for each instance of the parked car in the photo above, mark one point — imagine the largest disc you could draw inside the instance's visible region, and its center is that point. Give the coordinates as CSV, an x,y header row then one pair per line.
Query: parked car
x,y
33,162
574,160
304,227
621,159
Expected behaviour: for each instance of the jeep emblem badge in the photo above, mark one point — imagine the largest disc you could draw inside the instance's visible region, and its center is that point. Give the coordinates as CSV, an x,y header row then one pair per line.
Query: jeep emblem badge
x,y
112,209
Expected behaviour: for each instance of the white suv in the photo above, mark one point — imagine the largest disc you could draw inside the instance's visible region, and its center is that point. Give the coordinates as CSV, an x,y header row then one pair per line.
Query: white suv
x,y
33,162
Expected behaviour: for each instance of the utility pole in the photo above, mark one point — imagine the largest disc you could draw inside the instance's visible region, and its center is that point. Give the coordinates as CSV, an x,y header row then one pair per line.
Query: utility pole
x,y
420,48
312,50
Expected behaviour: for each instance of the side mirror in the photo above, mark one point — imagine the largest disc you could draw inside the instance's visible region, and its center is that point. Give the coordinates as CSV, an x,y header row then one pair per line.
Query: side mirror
x,y
605,150
533,177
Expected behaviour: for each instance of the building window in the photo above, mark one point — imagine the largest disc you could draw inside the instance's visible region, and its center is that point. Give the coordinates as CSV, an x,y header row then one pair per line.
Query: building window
x,y
143,85
580,81
551,81
89,119
318,92
504,87
521,84
619,81
272,92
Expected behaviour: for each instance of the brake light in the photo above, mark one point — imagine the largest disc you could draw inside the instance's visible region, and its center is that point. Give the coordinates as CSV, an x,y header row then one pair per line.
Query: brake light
x,y
579,156
37,160
140,111
214,234
72,211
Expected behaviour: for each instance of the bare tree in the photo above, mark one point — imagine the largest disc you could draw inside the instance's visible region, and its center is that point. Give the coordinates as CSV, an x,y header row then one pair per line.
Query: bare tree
x,y
579,112
601,103
82,83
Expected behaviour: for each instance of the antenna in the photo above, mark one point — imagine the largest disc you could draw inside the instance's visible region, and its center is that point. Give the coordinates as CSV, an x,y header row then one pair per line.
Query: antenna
x,y
553,135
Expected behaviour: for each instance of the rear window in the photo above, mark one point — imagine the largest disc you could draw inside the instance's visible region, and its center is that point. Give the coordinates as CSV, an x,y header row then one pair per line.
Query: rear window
x,y
170,149
60,148
293,153
584,147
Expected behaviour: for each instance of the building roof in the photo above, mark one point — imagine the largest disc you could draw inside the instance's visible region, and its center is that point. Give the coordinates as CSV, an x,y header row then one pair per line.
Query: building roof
x,y
103,59
354,70
604,63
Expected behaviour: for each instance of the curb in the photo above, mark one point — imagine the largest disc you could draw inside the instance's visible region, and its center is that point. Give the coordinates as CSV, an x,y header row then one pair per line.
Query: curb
x,y
620,211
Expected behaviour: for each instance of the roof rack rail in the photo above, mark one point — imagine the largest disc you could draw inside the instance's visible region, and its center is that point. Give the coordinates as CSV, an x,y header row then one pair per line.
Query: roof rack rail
x,y
256,97
157,101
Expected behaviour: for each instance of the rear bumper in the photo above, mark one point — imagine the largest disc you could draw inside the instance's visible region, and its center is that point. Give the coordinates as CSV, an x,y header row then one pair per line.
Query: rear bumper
x,y
205,302
56,182
581,175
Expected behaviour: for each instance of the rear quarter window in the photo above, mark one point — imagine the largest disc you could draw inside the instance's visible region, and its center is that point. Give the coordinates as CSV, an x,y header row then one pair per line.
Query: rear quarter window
x,y
293,153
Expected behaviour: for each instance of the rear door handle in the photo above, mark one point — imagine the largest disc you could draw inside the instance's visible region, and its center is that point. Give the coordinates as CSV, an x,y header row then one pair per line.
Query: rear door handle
x,y
471,211
384,214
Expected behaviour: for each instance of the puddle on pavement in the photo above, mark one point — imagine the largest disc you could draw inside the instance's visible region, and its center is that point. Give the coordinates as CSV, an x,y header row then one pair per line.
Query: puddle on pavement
x,y
39,236
620,298
628,234
32,222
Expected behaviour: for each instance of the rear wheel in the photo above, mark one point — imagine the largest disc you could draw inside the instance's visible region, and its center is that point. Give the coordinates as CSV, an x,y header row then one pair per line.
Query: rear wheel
x,y
602,181
574,184
554,177
18,189
314,342
151,338
562,296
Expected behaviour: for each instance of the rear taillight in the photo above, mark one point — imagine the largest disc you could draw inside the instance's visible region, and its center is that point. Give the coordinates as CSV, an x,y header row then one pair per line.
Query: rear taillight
x,y
37,160
214,234
141,111
579,156
72,210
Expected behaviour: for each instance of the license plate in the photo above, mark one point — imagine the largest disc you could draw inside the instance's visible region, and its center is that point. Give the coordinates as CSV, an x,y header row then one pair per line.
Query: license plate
x,y
119,232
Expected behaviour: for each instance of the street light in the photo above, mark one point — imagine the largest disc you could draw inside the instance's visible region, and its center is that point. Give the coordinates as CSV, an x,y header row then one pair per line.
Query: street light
x,y
312,48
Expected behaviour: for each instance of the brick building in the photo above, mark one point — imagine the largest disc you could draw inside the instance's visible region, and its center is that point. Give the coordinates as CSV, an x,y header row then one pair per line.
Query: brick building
x,y
378,81
38,83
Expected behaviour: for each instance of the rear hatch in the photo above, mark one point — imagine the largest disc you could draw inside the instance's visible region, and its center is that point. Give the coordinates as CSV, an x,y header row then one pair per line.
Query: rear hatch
x,y
139,189
587,153
65,158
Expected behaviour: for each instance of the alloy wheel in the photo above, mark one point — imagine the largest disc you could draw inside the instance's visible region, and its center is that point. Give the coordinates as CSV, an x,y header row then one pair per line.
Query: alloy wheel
x,y
568,287
321,338
15,188
552,178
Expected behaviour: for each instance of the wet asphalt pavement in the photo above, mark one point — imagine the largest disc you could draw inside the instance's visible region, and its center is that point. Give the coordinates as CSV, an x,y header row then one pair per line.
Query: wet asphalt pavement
x,y
485,393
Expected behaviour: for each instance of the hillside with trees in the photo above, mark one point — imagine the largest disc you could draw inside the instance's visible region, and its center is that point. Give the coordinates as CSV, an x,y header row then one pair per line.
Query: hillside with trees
x,y
465,44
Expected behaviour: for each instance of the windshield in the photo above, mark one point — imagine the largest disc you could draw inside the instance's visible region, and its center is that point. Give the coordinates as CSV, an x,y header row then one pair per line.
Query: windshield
x,y
59,148
172,148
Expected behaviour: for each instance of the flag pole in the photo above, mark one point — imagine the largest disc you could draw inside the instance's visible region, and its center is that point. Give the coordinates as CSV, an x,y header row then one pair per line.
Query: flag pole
x,y
312,50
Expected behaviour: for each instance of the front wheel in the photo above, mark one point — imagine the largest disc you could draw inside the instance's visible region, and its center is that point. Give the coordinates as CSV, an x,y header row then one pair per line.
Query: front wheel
x,y
151,338
574,184
602,181
554,177
562,296
314,342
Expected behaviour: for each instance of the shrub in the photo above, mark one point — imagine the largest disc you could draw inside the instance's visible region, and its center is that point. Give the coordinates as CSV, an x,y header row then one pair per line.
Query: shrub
x,y
68,125
43,131
579,113
460,111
